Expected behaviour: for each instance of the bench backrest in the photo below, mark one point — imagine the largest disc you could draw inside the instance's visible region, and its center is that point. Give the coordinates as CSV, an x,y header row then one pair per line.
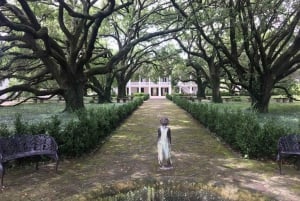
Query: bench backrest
x,y
19,144
289,143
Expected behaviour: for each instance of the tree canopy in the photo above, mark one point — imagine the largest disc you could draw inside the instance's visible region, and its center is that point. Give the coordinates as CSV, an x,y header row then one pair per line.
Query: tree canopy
x,y
257,42
65,47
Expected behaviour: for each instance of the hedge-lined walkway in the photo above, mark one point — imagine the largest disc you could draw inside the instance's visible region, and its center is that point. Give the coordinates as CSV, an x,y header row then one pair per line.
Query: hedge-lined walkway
x,y
129,158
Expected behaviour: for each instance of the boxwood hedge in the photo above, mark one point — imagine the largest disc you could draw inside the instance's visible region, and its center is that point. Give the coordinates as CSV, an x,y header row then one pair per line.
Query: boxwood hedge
x,y
83,133
242,130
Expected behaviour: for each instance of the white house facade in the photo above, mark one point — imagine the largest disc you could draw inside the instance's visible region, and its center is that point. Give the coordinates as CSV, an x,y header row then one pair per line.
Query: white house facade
x,y
160,88
189,88
154,89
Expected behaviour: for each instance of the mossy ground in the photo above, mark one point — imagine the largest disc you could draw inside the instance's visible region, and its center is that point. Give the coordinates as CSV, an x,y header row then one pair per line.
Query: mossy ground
x,y
128,161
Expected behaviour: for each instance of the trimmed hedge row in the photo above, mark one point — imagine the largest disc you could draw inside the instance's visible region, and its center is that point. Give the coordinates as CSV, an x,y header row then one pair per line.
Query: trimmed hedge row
x,y
143,95
241,130
83,133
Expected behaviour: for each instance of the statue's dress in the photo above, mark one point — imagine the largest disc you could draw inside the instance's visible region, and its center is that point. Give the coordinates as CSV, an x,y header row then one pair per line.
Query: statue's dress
x,y
163,145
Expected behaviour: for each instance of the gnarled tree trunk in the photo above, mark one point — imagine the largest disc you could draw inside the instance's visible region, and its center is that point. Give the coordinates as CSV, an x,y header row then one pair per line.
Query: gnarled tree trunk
x,y
201,88
215,81
121,90
73,95
105,96
261,93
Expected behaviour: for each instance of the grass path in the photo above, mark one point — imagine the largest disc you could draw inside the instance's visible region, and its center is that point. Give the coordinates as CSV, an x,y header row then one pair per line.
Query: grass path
x,y
129,158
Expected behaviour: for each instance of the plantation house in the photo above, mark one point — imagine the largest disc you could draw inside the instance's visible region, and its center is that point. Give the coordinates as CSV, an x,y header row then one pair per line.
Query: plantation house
x,y
160,88
154,89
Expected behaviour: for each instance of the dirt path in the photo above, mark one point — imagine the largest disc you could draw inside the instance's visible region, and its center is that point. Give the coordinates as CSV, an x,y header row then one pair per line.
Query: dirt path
x,y
130,156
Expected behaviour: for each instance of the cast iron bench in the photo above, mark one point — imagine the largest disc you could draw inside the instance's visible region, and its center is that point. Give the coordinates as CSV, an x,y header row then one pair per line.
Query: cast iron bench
x,y
20,146
288,145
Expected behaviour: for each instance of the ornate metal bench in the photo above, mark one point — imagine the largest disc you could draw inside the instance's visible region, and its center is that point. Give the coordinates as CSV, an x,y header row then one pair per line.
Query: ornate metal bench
x,y
289,145
20,146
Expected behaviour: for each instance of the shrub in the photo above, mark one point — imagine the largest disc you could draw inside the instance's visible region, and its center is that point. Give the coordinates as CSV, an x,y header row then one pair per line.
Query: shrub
x,y
142,95
268,138
168,96
81,134
20,127
246,131
240,129
4,131
225,127
93,126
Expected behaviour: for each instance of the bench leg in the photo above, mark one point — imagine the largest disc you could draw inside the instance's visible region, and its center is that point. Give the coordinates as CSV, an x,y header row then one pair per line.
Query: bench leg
x,y
56,165
56,158
57,162
2,171
280,165
37,160
279,162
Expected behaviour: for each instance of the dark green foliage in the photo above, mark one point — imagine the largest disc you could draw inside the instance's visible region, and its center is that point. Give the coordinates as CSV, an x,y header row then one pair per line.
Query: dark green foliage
x,y
20,127
142,95
246,131
241,130
227,126
81,134
92,126
4,131
168,96
269,136
53,126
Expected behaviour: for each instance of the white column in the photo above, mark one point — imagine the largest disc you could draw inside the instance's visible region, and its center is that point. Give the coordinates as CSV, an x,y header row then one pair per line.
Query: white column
x,y
149,87
159,87
139,84
129,88
170,85
179,86
191,85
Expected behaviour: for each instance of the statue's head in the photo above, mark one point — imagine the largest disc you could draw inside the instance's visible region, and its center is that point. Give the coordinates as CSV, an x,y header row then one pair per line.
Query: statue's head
x,y
164,121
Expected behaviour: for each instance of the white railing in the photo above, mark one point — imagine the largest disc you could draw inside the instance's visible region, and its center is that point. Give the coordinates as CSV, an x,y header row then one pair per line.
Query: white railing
x,y
146,84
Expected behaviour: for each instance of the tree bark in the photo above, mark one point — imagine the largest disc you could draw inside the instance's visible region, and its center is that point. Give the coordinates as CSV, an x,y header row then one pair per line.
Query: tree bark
x,y
121,90
215,87
261,106
73,96
215,81
261,94
201,88
103,90
105,97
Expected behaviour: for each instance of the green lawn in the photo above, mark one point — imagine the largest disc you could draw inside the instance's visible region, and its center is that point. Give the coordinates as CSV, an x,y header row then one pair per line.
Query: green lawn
x,y
288,114
31,112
